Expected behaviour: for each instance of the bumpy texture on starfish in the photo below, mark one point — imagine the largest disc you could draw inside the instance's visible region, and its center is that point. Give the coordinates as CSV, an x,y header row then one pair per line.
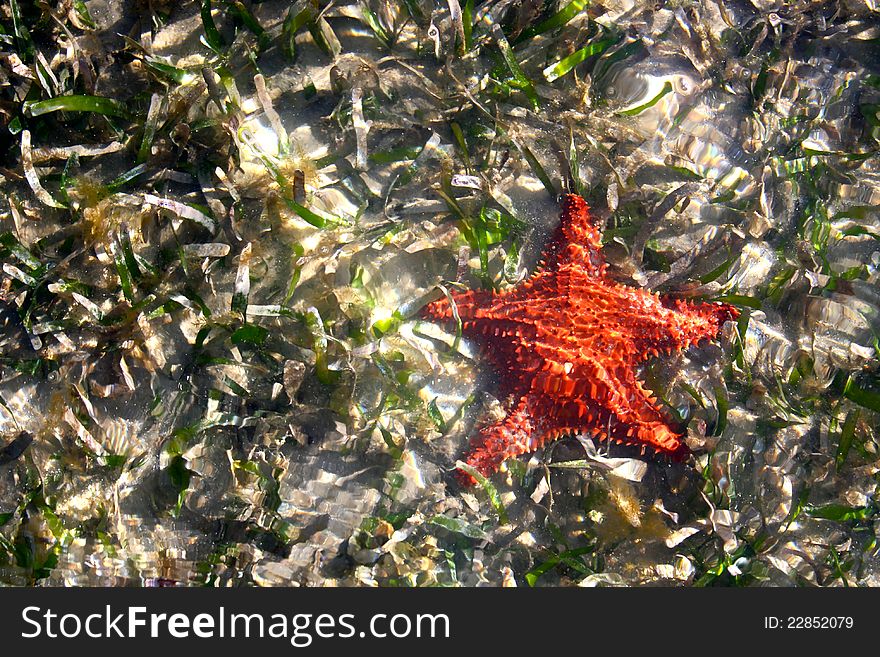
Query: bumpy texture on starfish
x,y
566,344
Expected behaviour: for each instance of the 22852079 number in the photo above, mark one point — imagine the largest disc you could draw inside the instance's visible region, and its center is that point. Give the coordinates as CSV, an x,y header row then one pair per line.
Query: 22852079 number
x,y
809,622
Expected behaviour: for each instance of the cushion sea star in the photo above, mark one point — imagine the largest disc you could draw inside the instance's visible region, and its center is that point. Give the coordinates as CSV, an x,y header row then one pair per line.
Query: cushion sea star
x,y
566,344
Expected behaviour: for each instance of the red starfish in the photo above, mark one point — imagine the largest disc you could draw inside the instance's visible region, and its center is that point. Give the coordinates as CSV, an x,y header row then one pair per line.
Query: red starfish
x,y
566,344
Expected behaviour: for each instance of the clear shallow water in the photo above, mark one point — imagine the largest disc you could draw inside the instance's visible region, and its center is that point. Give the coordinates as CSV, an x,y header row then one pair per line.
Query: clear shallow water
x,y
213,346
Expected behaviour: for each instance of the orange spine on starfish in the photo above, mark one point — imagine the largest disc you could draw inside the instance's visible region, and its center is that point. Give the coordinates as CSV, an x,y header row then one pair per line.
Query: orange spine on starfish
x,y
566,344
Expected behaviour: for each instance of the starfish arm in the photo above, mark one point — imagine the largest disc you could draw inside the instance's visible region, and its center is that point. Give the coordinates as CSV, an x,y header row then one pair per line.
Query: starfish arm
x,y
680,324
578,239
494,443
466,305
638,419
592,395
527,300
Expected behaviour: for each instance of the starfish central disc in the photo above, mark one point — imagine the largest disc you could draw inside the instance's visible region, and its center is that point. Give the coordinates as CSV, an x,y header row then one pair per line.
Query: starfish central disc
x,y
566,344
